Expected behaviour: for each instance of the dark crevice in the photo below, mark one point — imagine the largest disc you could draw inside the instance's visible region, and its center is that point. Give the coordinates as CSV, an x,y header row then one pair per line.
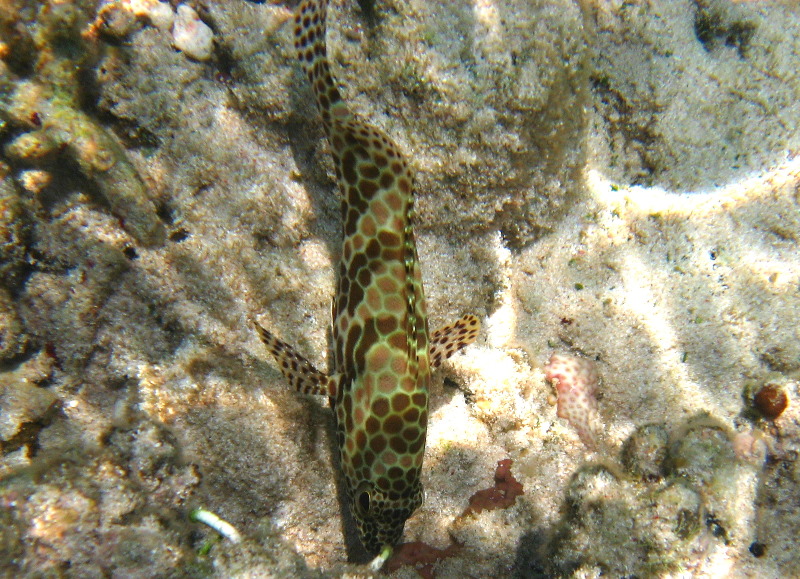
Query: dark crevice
x,y
715,28
165,213
179,235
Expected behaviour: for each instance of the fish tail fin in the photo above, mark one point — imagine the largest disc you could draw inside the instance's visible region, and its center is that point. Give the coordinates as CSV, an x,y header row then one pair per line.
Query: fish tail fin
x,y
309,33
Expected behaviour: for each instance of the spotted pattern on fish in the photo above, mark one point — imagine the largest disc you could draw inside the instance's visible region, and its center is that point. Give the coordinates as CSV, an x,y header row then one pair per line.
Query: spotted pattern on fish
x,y
383,356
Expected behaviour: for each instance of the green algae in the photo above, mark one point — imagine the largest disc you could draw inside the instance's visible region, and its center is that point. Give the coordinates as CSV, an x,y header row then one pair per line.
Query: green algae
x,y
44,111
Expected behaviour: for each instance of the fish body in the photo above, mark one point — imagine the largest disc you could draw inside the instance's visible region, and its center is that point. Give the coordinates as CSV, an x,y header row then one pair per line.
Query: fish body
x,y
383,353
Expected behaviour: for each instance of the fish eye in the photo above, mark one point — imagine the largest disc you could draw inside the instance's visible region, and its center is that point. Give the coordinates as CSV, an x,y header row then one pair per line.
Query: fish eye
x,y
363,501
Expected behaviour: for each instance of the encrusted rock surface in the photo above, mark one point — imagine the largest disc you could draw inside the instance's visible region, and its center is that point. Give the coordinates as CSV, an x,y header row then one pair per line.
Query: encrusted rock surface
x,y
614,181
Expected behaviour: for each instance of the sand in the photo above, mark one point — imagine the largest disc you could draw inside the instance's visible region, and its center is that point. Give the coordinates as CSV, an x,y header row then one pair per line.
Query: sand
x,y
615,181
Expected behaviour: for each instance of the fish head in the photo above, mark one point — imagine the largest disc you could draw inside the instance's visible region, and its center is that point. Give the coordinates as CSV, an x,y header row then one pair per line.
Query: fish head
x,y
381,516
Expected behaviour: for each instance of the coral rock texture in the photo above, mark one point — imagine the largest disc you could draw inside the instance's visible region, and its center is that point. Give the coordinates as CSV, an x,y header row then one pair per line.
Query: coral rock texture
x,y
615,179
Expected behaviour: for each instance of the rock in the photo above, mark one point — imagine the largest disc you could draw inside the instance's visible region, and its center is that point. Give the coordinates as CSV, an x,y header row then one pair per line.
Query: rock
x,y
159,13
12,334
771,400
115,21
643,454
14,233
22,402
191,35
702,455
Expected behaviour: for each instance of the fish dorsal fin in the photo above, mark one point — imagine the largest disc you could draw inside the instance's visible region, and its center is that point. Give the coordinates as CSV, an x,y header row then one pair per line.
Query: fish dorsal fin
x,y
449,339
412,290
302,375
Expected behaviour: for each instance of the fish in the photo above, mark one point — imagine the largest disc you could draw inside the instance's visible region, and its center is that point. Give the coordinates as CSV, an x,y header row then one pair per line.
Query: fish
x,y
383,353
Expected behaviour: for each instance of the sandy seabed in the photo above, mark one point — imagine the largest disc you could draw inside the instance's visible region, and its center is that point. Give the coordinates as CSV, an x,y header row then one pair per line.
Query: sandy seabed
x,y
617,181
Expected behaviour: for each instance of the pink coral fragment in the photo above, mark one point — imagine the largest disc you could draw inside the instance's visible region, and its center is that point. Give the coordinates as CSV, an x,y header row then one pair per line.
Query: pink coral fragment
x,y
575,380
423,557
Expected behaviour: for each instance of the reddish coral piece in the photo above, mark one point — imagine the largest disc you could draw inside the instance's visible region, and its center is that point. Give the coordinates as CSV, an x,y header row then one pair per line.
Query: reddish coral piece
x,y
419,555
422,557
502,495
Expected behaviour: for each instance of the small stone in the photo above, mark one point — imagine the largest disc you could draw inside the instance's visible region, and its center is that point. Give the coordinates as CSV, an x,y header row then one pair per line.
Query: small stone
x,y
22,402
115,21
750,448
703,455
758,549
644,452
771,400
34,180
675,514
32,147
191,35
159,13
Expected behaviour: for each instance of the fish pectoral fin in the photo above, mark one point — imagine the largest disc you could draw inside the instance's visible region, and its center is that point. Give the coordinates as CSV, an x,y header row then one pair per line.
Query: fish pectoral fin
x,y
449,339
300,372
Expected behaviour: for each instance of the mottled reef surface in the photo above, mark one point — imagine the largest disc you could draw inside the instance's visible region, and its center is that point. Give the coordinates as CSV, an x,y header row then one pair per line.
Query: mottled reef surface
x,y
616,183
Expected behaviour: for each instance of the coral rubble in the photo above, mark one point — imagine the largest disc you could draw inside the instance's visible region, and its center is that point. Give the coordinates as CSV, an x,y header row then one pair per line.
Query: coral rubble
x,y
615,179
43,109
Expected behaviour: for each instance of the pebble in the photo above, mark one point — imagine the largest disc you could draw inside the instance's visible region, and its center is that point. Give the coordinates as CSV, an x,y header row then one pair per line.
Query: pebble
x,y
645,451
771,400
159,13
191,35
704,456
115,21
